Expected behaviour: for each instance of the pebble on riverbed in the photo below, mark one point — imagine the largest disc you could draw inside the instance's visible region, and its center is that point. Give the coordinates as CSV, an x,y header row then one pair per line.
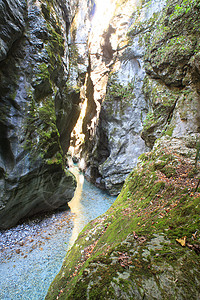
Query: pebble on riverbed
x,y
31,234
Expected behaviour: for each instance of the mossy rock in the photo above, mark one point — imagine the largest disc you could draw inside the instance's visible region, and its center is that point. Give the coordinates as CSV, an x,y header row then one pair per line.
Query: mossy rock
x,y
118,94
26,200
133,250
172,43
169,171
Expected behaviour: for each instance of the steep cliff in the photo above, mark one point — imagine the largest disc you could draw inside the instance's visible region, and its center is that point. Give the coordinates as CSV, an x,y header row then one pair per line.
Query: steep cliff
x,y
147,245
150,74
172,65
116,102
39,106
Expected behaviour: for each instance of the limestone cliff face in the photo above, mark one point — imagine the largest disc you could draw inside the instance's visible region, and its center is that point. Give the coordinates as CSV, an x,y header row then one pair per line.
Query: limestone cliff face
x,y
125,107
38,106
141,84
117,105
171,86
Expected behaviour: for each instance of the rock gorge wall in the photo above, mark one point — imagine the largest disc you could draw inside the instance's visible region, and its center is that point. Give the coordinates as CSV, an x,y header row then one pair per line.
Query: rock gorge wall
x,y
116,143
116,101
125,107
147,245
150,75
132,79
39,104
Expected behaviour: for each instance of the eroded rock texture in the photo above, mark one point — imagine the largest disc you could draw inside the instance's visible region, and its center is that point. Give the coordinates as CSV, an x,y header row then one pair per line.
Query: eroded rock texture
x,y
143,83
171,86
134,250
38,107
111,149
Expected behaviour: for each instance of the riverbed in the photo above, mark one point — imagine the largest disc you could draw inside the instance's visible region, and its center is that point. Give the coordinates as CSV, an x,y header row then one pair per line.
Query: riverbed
x,y
32,253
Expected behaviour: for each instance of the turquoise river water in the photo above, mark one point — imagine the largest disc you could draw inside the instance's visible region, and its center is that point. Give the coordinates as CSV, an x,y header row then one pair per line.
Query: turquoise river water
x,y
32,253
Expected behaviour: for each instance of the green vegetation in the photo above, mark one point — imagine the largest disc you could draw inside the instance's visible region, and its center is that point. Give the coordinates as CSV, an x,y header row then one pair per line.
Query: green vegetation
x,y
174,38
56,38
118,93
169,131
42,133
170,39
171,43
184,7
150,119
162,101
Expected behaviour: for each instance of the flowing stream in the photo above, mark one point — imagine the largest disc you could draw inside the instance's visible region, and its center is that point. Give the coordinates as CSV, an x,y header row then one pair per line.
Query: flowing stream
x,y
32,253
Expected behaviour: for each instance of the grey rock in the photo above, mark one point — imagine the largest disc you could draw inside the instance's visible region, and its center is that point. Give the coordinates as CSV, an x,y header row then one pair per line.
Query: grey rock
x,y
12,23
120,120
47,188
117,143
38,110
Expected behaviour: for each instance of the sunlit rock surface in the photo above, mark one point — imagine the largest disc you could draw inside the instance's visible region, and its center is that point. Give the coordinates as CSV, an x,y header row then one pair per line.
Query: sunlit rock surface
x,y
140,85
113,133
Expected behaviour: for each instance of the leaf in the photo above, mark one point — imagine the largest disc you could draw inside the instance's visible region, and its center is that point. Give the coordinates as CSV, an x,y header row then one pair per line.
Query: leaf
x,y
182,241
142,239
194,235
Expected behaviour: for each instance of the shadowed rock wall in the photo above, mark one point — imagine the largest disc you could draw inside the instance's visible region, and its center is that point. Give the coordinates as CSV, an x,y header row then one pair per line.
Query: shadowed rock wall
x,y
38,107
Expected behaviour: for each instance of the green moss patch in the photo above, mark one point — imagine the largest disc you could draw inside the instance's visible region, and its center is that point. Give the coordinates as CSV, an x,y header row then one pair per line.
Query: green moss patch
x,y
42,136
118,94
